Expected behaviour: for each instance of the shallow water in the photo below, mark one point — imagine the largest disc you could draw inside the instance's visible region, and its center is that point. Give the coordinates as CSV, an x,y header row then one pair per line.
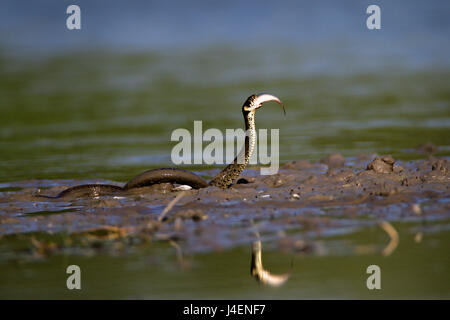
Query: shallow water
x,y
326,237
416,270
100,106
77,120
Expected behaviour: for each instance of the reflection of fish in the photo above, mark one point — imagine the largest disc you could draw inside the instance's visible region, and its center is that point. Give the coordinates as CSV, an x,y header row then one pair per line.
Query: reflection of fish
x,y
260,274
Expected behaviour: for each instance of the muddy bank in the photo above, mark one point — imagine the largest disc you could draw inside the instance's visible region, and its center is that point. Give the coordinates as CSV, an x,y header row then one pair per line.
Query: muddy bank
x,y
303,201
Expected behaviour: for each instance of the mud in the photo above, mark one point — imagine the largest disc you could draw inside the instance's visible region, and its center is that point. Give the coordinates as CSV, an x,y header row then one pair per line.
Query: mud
x,y
335,196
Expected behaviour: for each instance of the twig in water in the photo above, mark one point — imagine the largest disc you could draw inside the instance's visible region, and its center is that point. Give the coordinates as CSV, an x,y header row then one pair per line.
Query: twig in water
x,y
393,234
170,205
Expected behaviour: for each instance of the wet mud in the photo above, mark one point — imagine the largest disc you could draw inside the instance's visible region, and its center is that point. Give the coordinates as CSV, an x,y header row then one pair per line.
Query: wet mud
x,y
304,200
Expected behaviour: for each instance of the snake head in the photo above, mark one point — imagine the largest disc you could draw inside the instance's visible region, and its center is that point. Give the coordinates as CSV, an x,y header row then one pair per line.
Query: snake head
x,y
255,101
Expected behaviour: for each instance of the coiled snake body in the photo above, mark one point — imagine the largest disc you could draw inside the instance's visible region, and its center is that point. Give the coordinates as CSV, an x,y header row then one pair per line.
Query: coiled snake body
x,y
180,176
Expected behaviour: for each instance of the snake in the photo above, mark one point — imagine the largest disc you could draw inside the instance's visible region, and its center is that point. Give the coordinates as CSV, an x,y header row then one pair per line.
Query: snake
x,y
184,177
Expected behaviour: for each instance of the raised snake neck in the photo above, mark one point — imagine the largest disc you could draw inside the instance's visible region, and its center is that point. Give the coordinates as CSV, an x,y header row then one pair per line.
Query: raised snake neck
x,y
226,177
174,175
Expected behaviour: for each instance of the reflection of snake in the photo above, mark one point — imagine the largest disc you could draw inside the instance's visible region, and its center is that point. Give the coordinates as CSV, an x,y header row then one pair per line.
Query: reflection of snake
x,y
262,275
172,175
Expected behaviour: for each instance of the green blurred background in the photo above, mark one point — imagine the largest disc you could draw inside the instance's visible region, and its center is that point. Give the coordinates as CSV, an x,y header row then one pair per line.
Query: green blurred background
x,y
102,102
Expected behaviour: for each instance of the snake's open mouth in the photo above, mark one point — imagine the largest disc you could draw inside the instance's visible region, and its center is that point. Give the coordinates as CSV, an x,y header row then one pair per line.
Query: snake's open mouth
x,y
259,99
